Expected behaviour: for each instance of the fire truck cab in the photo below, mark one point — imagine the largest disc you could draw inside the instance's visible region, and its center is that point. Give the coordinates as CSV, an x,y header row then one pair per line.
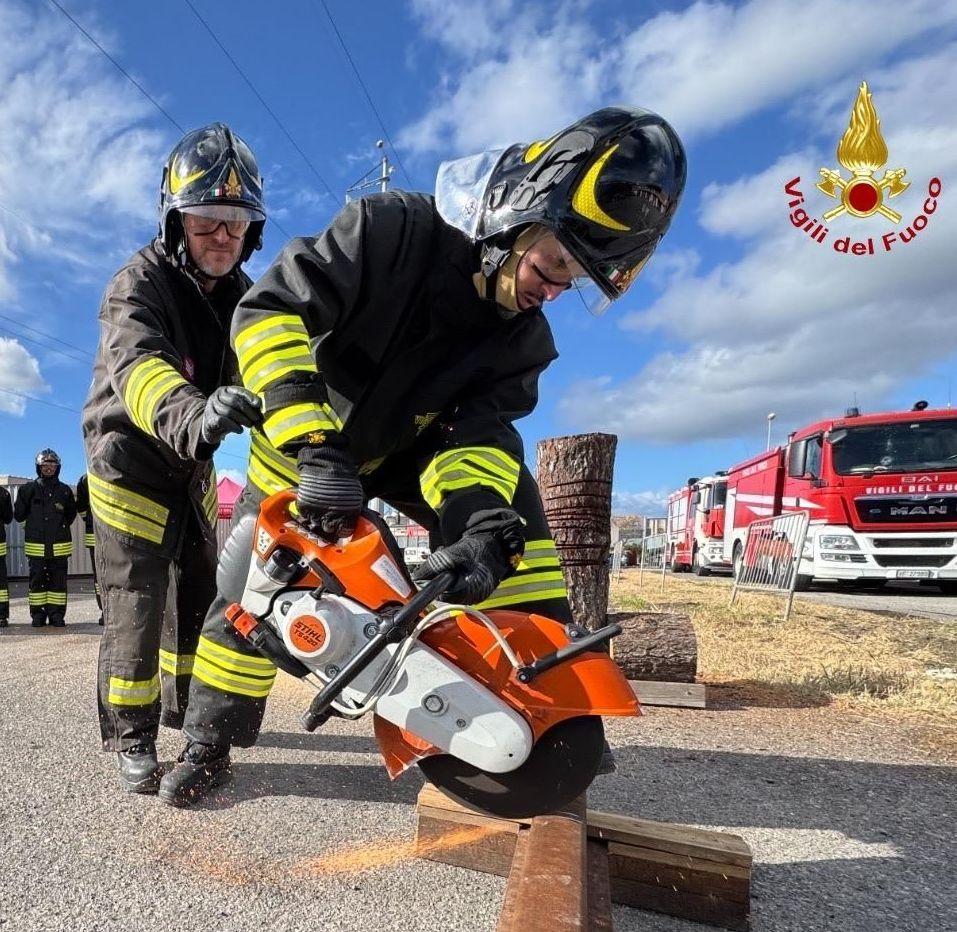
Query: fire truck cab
x,y
696,526
880,490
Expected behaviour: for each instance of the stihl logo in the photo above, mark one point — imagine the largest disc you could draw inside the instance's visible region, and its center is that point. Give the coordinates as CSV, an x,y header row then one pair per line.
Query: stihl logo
x,y
905,510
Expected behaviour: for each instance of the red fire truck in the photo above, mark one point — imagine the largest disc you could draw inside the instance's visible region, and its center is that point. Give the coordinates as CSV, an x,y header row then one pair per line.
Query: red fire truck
x,y
880,489
696,526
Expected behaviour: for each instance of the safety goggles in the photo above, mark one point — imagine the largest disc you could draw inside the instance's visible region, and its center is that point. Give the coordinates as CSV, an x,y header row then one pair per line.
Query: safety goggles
x,y
207,219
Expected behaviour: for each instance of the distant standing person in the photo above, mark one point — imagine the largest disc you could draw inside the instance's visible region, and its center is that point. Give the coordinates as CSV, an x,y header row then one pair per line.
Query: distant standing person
x,y
47,508
6,516
89,538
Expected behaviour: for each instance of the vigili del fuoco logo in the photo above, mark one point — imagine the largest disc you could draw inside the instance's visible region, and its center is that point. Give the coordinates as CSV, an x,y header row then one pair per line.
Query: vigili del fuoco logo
x,y
862,152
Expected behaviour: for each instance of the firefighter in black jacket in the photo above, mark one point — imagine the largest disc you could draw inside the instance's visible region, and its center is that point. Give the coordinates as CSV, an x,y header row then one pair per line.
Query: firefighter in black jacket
x,y
6,516
47,509
393,353
89,537
161,401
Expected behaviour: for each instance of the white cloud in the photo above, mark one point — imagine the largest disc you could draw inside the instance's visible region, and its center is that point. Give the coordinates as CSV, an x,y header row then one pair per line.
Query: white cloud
x,y
521,70
77,165
793,326
19,374
649,503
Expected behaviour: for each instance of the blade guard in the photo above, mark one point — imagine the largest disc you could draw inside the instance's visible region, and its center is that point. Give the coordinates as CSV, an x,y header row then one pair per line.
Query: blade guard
x,y
590,684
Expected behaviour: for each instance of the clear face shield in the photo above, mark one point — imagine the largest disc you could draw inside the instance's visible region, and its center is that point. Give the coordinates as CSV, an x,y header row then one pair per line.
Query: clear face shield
x,y
209,217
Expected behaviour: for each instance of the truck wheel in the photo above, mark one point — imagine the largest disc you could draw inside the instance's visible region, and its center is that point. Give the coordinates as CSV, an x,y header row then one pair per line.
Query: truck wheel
x,y
803,583
947,586
675,565
698,565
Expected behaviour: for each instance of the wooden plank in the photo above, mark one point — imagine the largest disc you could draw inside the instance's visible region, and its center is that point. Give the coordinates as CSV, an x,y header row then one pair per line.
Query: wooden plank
x,y
680,872
708,845
682,695
547,887
708,909
475,847
600,916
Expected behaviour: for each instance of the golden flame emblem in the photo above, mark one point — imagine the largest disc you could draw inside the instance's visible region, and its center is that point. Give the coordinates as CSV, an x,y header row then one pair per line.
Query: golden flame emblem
x,y
862,151
233,186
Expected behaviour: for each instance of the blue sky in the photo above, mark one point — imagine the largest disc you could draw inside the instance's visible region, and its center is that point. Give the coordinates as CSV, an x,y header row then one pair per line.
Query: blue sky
x,y
738,314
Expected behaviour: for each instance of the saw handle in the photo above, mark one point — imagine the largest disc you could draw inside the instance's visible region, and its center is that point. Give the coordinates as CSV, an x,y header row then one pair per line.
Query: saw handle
x,y
391,628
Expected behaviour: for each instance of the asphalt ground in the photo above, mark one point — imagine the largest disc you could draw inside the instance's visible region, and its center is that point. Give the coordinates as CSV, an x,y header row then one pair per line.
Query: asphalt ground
x,y
894,598
850,823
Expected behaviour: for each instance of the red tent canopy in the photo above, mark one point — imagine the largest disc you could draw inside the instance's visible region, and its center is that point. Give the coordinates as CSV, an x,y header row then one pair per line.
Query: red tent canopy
x,y
228,493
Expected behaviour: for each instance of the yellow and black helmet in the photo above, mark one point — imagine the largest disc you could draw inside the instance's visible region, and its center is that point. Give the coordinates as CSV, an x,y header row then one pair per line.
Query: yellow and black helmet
x,y
606,186
211,169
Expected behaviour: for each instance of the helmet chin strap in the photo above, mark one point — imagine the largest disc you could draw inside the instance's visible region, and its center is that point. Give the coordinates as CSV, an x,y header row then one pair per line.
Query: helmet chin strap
x,y
500,269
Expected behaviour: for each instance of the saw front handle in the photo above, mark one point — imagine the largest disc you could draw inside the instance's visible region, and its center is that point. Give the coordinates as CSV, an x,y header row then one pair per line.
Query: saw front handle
x,y
391,628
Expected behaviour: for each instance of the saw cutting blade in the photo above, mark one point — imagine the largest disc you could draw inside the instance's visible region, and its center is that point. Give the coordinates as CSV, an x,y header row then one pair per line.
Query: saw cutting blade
x,y
562,765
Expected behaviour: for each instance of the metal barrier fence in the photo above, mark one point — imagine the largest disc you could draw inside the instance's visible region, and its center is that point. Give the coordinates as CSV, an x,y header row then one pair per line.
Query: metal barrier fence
x,y
652,553
769,559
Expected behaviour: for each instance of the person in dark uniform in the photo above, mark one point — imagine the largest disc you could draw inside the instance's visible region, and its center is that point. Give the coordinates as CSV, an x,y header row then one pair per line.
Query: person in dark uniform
x,y
89,537
6,516
162,399
47,509
392,354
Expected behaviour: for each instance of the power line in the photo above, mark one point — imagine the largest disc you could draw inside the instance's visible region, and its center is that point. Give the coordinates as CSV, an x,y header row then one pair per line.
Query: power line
x,y
49,336
119,67
143,91
51,349
365,91
49,404
260,98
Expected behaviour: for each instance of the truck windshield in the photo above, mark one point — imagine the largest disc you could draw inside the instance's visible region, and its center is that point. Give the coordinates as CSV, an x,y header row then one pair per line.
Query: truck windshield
x,y
913,446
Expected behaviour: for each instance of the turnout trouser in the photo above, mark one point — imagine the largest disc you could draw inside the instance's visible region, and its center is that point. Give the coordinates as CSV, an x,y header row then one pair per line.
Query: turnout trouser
x,y
46,591
91,547
147,652
231,681
4,585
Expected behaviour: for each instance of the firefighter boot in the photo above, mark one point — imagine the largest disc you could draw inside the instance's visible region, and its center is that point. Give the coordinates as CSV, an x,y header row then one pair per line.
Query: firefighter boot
x,y
201,767
38,618
139,770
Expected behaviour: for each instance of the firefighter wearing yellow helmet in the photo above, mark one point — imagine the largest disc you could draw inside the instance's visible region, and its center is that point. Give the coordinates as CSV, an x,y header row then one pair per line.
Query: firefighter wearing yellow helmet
x,y
165,393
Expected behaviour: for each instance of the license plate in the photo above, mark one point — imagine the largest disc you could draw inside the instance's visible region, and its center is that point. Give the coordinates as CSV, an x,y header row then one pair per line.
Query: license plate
x,y
915,574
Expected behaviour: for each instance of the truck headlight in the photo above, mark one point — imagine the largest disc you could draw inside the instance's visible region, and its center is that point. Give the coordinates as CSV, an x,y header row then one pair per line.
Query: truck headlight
x,y
837,542
836,557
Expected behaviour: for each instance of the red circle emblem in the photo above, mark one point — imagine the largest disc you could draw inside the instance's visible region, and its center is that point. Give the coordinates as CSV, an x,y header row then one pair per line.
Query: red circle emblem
x,y
308,634
863,197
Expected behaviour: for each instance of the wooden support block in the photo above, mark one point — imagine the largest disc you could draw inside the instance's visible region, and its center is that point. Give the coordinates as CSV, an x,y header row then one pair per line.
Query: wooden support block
x,y
599,888
683,695
691,873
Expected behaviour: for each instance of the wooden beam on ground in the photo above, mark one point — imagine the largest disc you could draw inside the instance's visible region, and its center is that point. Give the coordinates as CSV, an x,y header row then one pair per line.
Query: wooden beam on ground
x,y
683,695
547,886
679,870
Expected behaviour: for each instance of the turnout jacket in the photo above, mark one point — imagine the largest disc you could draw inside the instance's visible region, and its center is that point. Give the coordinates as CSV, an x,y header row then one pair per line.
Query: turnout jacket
x,y
47,509
371,335
83,510
6,516
163,350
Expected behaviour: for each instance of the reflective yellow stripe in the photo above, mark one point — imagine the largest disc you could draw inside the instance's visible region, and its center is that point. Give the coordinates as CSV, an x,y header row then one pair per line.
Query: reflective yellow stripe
x,y
4,595
211,499
527,587
133,692
63,549
37,598
33,549
538,555
56,598
89,540
230,671
465,467
149,382
3,549
271,348
176,664
127,511
297,420
269,470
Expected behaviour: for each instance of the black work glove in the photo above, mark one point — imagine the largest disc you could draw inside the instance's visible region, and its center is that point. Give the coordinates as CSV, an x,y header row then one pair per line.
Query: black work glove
x,y
330,495
228,410
488,552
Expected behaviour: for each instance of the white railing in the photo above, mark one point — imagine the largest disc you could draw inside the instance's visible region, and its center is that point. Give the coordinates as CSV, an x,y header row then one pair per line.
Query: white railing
x,y
770,556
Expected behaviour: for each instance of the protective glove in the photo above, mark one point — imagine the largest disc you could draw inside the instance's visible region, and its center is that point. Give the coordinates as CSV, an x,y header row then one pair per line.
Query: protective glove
x,y
330,495
488,552
228,410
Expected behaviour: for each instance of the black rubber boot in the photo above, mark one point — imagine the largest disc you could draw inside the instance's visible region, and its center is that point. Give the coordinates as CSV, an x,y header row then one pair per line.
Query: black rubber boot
x,y
57,621
201,767
139,770
4,622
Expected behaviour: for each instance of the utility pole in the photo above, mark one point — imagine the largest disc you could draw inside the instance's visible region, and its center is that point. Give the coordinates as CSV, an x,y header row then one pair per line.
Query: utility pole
x,y
376,177
771,417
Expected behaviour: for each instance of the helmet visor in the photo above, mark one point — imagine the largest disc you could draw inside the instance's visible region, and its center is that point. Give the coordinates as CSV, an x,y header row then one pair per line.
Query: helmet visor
x,y
608,280
227,212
